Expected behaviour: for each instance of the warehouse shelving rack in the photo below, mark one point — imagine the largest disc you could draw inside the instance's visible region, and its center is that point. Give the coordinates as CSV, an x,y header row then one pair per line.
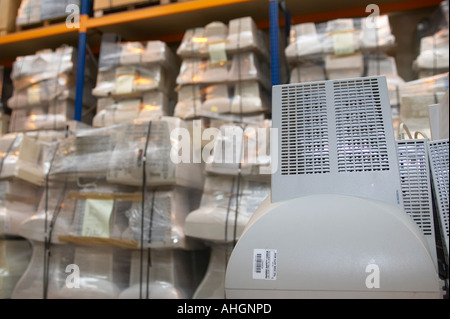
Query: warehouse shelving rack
x,y
168,23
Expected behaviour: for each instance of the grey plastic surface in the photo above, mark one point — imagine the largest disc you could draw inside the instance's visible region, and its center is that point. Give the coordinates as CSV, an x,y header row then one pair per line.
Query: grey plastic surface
x,y
325,244
415,181
335,137
439,161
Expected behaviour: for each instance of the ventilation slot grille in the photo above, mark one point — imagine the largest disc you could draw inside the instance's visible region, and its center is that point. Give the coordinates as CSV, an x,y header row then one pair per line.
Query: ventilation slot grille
x,y
439,160
304,130
415,183
360,133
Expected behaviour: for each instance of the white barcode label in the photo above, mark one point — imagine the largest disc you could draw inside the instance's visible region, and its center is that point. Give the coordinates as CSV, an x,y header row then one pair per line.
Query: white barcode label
x,y
265,264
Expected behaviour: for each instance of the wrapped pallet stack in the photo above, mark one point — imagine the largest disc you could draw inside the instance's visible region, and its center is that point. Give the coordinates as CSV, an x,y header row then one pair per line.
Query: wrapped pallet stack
x,y
344,48
42,109
433,55
420,96
44,91
416,99
114,199
100,182
134,82
22,167
32,12
223,86
224,73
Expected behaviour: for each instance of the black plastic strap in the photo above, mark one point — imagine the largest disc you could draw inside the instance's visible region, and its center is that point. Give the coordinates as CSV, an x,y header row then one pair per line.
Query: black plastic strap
x,y
149,258
144,188
48,229
230,197
6,154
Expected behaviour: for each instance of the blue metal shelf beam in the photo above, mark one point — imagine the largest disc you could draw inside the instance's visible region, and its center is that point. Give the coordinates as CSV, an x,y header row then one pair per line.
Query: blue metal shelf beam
x,y
82,40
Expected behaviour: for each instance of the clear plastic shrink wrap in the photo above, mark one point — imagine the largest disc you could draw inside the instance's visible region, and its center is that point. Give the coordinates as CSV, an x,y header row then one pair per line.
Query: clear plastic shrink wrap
x,y
44,65
24,163
213,283
376,33
223,198
243,35
29,12
31,284
107,272
338,46
304,41
344,67
83,155
125,164
41,93
168,277
162,225
151,106
97,266
15,254
224,71
129,80
92,228
340,36
248,66
241,150
60,215
434,52
134,82
244,66
189,102
416,97
34,11
196,42
54,116
308,72
132,68
387,66
115,153
240,90
44,90
22,158
18,201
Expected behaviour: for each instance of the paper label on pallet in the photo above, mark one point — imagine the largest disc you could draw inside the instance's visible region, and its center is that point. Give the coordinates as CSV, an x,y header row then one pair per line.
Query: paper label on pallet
x,y
343,43
30,151
34,95
97,216
124,84
217,53
265,264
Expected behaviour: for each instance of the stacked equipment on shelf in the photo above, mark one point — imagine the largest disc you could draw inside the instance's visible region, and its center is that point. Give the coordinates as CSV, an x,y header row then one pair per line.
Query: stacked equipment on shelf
x,y
433,57
99,183
344,48
37,11
44,91
223,72
115,203
21,178
223,82
135,81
